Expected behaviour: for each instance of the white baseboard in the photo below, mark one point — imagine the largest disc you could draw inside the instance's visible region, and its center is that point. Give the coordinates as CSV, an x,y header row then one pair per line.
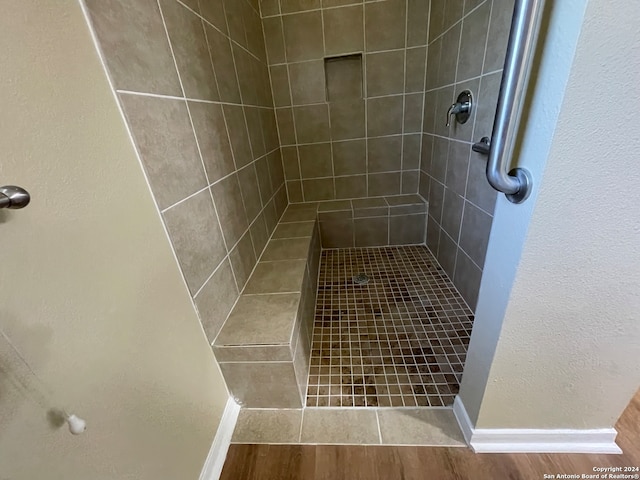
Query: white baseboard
x,y
215,460
516,440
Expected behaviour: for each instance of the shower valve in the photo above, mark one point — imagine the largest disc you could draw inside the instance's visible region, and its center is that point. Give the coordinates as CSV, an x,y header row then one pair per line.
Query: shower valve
x,y
461,109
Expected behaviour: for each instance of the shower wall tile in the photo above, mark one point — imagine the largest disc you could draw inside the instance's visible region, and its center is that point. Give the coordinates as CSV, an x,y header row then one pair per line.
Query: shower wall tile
x,y
347,119
466,48
385,73
213,139
307,82
167,146
135,45
187,37
195,233
343,30
198,100
303,36
350,157
385,25
354,73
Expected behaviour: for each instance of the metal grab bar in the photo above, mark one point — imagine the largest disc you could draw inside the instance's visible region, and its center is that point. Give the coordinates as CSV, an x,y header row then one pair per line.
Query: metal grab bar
x,y
516,184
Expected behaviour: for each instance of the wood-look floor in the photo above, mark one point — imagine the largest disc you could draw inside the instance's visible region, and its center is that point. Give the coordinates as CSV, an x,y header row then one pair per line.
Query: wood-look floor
x,y
309,462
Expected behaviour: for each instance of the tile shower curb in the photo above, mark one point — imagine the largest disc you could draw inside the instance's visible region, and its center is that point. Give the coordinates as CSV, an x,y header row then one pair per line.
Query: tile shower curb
x,y
422,426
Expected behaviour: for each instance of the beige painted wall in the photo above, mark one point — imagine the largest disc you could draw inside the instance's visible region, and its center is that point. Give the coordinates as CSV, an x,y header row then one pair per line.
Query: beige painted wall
x,y
92,297
567,356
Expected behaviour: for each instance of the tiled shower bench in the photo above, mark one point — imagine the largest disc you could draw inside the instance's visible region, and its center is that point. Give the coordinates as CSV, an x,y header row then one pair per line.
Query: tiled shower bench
x,y
263,347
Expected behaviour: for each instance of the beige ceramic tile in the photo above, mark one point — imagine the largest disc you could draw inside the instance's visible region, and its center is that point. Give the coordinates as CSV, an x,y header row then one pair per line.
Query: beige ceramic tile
x,y
303,36
168,150
315,160
216,299
196,237
228,199
349,157
263,385
307,82
135,45
347,119
261,320
340,426
408,426
343,30
243,260
312,123
318,189
211,132
253,353
287,249
277,277
385,73
385,25
267,426
384,115
294,230
191,52
299,215
223,64
354,186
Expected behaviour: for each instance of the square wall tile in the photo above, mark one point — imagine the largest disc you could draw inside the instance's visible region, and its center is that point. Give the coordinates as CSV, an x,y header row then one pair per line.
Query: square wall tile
x,y
213,139
315,160
135,46
384,115
467,279
163,134
303,36
274,39
349,157
411,151
344,78
216,299
307,82
223,64
475,231
243,259
280,86
238,134
380,184
385,154
286,129
385,73
294,191
196,237
337,233
407,229
190,50
417,22
413,113
347,119
312,123
385,25
228,199
416,58
452,213
353,186
263,385
213,11
247,178
474,34
290,163
343,30
318,189
371,232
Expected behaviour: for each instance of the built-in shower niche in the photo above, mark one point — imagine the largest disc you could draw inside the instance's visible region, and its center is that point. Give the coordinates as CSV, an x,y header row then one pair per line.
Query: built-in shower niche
x,y
344,77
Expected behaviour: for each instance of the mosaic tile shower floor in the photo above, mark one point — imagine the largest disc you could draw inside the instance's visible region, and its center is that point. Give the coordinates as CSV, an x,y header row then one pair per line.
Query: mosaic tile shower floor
x,y
398,341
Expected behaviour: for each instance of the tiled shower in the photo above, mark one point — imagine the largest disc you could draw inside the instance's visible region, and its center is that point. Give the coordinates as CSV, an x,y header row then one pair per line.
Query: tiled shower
x,y
242,110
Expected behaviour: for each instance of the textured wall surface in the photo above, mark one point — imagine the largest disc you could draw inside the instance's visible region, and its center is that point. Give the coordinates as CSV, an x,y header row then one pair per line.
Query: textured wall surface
x,y
567,349
467,42
365,140
92,297
194,85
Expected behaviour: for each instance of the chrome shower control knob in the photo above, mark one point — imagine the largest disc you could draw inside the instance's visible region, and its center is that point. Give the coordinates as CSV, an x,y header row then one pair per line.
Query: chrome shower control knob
x,y
13,197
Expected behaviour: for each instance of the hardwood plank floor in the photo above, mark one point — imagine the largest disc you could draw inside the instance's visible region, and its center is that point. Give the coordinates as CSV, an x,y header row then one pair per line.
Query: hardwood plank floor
x,y
310,462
